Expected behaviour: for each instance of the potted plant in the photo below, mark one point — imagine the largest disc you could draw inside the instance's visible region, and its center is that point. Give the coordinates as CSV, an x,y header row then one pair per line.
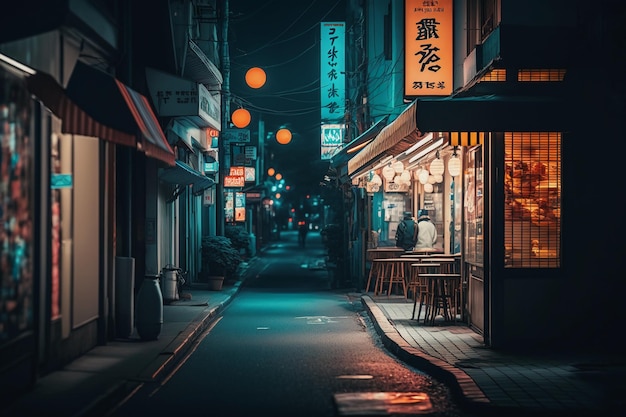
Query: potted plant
x,y
220,260
240,239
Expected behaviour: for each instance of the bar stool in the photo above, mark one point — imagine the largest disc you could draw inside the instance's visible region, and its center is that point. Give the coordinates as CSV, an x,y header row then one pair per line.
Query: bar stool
x,y
391,273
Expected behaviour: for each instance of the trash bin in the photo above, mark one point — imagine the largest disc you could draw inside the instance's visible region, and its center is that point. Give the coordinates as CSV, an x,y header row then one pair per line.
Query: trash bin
x,y
169,282
149,308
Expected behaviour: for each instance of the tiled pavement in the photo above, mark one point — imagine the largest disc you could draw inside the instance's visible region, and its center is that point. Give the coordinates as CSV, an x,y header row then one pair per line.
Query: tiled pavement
x,y
497,382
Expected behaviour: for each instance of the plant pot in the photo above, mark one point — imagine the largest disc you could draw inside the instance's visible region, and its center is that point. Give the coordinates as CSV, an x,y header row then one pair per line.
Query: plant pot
x,y
215,282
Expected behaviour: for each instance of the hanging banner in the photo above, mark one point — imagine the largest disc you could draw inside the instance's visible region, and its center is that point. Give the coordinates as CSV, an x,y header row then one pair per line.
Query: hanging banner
x,y
428,41
333,70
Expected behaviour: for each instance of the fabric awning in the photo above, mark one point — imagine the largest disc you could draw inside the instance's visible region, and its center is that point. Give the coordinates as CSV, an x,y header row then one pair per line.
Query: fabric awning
x,y
112,103
184,175
395,138
359,143
75,120
492,113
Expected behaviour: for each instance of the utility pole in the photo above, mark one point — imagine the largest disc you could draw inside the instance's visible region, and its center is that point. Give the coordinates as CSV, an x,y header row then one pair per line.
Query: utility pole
x,y
225,116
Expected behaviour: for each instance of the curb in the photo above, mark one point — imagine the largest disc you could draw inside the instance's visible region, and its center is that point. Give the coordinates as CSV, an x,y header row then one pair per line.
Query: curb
x,y
462,386
168,359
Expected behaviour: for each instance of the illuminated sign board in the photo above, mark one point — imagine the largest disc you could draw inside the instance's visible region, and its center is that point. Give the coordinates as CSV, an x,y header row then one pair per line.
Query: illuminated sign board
x,y
333,70
332,140
428,42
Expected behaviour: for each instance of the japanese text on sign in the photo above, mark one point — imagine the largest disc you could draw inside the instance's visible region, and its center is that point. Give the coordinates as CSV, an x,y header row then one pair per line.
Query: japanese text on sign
x,y
332,70
428,66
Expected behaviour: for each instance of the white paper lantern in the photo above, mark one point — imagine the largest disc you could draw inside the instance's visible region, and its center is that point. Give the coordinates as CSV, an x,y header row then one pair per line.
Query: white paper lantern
x,y
388,173
438,178
436,167
423,176
376,180
454,166
431,179
428,188
398,167
398,180
406,176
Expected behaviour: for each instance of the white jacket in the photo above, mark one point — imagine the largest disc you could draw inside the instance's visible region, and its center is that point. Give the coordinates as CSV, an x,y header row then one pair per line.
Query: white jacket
x,y
427,234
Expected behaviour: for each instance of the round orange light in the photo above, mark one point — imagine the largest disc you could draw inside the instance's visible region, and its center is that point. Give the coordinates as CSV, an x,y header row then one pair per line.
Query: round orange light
x,y
271,172
255,77
279,177
283,136
240,118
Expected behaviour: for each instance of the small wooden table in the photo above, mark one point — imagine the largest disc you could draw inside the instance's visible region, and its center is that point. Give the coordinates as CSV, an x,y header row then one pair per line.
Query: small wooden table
x,y
442,289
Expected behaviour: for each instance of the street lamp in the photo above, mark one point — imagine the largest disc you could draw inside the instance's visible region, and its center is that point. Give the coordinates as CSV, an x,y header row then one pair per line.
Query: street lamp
x,y
241,118
255,77
283,136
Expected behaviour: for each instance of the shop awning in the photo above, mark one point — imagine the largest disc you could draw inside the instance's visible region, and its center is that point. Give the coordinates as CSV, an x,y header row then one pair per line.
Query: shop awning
x,y
490,113
184,175
360,142
199,68
393,139
75,120
114,104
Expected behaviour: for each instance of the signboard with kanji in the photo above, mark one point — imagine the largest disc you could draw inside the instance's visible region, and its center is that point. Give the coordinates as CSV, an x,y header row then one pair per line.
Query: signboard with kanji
x,y
428,42
333,70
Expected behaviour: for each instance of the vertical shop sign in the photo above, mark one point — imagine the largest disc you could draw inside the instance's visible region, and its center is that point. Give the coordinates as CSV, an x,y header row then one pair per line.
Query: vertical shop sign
x,y
240,206
333,70
229,207
332,140
428,42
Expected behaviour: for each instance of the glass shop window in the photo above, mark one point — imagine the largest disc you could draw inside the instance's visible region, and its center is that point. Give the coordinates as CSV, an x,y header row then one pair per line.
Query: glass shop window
x,y
532,193
473,206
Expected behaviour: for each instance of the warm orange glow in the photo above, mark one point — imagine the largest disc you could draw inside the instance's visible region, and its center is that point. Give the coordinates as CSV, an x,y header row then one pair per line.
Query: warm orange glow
x,y
279,176
271,172
428,65
240,118
277,196
255,77
283,136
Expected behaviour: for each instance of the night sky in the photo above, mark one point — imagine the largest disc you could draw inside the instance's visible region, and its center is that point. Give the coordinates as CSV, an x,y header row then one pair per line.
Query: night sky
x,y
282,37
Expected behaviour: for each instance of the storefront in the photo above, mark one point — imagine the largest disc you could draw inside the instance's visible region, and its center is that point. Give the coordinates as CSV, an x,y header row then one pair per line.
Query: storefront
x,y
502,211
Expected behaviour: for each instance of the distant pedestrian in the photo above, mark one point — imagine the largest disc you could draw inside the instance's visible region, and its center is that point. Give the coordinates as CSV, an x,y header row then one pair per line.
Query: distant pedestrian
x,y
427,232
406,233
303,229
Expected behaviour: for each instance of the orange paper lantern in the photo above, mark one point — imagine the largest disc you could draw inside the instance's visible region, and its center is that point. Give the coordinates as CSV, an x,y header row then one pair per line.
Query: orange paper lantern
x,y
283,136
271,172
255,77
240,118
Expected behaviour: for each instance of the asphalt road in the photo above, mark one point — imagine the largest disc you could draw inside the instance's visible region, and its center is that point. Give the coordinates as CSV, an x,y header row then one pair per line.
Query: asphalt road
x,y
288,345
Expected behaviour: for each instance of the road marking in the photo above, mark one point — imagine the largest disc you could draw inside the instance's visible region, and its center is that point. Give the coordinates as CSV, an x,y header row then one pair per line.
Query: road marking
x,y
383,403
355,377
262,328
320,319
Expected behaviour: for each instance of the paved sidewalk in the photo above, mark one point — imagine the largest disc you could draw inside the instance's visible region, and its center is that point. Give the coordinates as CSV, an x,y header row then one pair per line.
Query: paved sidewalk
x,y
106,374
496,383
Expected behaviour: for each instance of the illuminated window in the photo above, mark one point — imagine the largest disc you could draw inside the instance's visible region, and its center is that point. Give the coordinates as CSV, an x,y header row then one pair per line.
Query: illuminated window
x,y
532,191
498,74
535,75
